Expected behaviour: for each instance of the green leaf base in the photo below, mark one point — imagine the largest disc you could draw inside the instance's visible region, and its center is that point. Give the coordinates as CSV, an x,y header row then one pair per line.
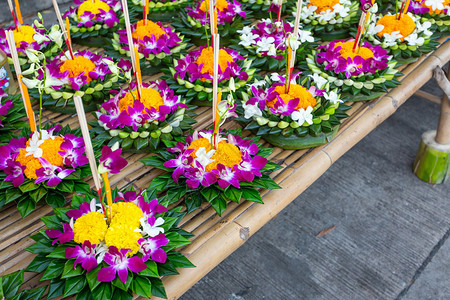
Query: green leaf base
x,y
97,41
295,142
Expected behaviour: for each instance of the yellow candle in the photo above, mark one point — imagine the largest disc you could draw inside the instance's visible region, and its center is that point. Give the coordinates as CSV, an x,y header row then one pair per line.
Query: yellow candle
x,y
68,29
405,9
215,20
108,193
19,14
138,65
147,9
28,107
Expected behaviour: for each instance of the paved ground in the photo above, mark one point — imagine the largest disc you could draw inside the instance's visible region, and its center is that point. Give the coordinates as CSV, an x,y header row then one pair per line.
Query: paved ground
x,y
391,235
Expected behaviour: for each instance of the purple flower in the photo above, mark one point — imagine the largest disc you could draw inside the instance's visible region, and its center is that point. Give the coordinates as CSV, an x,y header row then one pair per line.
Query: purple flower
x,y
181,164
352,68
249,167
151,208
226,176
83,209
281,108
110,17
84,255
47,172
86,19
151,248
119,264
110,161
261,97
134,117
14,171
61,237
275,8
198,175
366,5
72,156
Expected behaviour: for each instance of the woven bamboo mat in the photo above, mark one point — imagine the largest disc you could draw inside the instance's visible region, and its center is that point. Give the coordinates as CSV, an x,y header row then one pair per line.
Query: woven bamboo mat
x,y
217,237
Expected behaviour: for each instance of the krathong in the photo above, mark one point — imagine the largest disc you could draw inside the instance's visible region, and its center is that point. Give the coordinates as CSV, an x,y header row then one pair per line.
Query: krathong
x,y
157,45
87,253
329,19
31,38
406,38
88,75
437,12
306,116
230,18
158,10
192,74
200,173
142,124
42,166
361,75
265,43
11,115
92,21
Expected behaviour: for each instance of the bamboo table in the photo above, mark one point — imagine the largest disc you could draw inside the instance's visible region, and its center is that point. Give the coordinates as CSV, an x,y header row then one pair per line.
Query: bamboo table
x,y
217,237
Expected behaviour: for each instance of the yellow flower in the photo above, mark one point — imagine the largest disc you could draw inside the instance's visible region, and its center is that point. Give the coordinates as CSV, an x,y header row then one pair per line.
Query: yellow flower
x,y
226,154
207,59
50,149
123,237
24,33
323,5
220,4
90,227
149,97
405,25
77,66
126,213
295,91
92,6
147,29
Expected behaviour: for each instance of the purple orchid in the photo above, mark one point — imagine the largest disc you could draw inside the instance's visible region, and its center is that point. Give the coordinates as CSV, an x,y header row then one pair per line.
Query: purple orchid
x,y
110,161
135,116
151,248
228,15
249,167
14,171
6,106
86,19
84,255
109,17
119,264
151,208
83,209
198,175
181,164
73,156
261,97
62,237
281,108
418,8
47,172
226,176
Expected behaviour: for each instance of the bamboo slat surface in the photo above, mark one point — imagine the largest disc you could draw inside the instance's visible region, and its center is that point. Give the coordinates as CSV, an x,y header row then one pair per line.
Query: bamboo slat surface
x,y
217,237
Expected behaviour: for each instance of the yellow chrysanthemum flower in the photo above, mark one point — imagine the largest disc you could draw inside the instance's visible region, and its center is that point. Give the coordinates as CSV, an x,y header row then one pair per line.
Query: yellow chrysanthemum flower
x,y
90,227
123,237
126,213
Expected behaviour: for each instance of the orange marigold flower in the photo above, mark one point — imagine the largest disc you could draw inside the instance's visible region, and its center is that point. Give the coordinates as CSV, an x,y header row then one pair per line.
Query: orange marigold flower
x,y
147,29
207,59
323,5
347,50
295,91
149,97
405,25
50,149
220,4
226,153
77,66
24,33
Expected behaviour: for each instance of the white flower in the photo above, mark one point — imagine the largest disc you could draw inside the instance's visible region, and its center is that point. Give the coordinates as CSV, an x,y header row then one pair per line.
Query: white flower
x,y
275,77
305,36
100,251
259,83
34,149
267,21
203,157
208,136
391,39
272,51
39,38
333,97
341,10
294,43
413,39
435,4
264,44
251,111
56,37
424,27
248,39
32,55
374,29
326,16
302,115
318,80
373,9
151,230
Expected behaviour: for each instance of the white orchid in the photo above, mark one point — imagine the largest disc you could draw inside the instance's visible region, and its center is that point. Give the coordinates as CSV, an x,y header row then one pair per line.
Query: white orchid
x,y
333,97
373,29
264,44
391,39
326,16
40,38
302,115
272,50
203,157
251,111
435,4
305,36
318,80
294,43
257,83
423,27
34,149
341,10
413,39
245,30
248,39
275,77
151,230
56,36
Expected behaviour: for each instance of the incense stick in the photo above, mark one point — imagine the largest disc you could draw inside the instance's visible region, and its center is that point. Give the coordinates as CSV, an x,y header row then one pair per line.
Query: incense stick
x,y
26,101
280,3
62,26
216,50
18,12
87,141
293,52
11,9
